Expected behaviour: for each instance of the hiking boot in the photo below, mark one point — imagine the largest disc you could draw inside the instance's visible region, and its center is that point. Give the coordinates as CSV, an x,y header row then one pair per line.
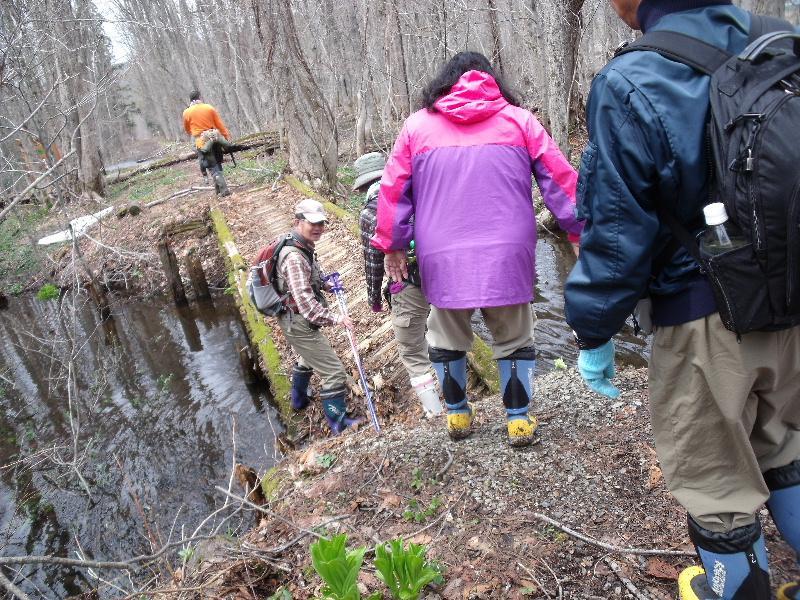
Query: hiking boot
x,y
516,386
335,408
338,425
736,561
789,591
459,422
425,388
220,186
521,431
693,585
301,377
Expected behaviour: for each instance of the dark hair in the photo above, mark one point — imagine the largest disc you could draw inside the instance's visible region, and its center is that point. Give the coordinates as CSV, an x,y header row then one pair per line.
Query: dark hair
x,y
453,69
195,95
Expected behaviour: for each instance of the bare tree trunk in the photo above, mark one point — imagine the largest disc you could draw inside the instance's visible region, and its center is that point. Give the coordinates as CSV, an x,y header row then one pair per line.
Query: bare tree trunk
x,y
563,31
772,8
313,136
494,31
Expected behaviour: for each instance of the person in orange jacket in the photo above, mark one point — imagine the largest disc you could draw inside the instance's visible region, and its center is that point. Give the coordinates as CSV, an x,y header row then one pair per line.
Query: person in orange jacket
x,y
202,121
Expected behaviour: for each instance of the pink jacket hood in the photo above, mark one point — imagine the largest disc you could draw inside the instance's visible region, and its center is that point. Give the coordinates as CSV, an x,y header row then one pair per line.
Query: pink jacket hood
x,y
474,98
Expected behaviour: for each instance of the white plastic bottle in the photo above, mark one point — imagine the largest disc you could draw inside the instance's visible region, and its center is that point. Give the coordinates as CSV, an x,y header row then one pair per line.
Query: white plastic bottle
x,y
717,239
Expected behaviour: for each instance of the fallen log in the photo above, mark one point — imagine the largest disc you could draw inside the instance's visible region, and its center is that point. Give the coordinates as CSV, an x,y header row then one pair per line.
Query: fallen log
x,y
270,142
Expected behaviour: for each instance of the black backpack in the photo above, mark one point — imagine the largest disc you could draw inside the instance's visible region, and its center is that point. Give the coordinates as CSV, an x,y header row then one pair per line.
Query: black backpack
x,y
754,136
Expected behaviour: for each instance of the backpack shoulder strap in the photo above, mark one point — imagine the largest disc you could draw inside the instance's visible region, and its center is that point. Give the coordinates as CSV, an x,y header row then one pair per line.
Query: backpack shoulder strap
x,y
681,48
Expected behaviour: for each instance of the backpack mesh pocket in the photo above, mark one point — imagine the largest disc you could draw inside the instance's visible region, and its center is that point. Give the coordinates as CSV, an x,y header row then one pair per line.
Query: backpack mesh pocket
x,y
740,289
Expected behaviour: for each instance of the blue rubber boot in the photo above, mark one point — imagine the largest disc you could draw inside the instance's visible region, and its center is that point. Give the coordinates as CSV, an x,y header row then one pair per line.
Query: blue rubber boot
x,y
735,565
516,385
335,408
451,369
784,506
301,377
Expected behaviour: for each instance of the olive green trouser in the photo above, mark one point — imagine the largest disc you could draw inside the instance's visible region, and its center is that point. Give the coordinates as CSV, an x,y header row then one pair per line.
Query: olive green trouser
x,y
314,350
410,311
723,412
511,328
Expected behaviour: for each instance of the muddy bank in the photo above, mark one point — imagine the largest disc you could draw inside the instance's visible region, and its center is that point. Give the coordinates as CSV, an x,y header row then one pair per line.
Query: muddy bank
x,y
476,505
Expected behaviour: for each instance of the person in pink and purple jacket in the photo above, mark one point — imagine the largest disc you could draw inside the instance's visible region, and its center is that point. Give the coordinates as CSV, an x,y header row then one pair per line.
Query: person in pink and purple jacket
x,y
462,167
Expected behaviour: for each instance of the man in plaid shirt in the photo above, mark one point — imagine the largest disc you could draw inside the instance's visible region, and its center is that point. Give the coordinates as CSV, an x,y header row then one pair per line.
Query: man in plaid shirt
x,y
299,275
409,306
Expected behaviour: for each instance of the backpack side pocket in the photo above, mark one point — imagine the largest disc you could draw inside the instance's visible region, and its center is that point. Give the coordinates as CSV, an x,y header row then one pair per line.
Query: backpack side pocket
x,y
740,289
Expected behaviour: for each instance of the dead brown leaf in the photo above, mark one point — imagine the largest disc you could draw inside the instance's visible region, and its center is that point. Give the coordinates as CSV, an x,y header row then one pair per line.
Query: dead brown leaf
x,y
663,570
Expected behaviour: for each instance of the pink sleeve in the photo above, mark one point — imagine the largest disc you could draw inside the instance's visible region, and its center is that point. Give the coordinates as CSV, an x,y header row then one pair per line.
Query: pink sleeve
x,y
556,178
395,207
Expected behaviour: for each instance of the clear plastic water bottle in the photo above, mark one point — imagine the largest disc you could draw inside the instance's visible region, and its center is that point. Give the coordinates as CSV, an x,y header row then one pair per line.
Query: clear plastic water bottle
x,y
411,253
719,237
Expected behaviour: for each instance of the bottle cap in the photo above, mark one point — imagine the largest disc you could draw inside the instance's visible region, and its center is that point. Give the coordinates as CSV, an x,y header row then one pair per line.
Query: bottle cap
x,y
715,213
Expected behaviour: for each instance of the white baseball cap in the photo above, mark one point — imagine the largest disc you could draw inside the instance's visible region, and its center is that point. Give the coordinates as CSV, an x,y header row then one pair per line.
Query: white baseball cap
x,y
310,210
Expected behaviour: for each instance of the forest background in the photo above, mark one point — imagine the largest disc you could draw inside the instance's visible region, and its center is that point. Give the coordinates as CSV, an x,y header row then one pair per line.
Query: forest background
x,y
81,80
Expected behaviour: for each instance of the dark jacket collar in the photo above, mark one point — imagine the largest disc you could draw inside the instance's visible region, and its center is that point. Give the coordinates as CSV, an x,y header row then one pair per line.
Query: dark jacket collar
x,y
651,11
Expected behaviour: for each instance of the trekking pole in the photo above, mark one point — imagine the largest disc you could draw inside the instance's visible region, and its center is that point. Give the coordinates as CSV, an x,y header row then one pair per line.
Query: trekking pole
x,y
338,289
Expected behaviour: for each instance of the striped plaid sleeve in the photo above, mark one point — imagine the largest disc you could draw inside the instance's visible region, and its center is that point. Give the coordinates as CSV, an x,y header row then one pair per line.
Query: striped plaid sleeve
x,y
297,273
373,258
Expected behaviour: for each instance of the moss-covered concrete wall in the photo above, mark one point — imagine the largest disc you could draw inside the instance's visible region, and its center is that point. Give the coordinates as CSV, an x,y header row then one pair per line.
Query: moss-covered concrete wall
x,y
258,330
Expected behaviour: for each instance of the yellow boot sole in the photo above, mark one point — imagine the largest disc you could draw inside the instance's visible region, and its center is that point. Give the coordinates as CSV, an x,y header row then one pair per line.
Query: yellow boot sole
x,y
459,425
789,591
692,584
521,431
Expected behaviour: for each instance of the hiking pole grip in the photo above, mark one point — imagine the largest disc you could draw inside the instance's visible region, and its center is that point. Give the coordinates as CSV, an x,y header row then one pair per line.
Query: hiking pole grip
x,y
336,282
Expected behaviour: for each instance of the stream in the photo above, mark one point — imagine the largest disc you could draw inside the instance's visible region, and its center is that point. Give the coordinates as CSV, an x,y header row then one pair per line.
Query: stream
x,y
154,417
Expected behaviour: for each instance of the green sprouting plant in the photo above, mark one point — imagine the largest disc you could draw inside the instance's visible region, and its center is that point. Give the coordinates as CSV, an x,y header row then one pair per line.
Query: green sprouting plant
x,y
48,292
404,570
326,460
416,513
281,594
416,482
338,567
560,364
186,554
163,382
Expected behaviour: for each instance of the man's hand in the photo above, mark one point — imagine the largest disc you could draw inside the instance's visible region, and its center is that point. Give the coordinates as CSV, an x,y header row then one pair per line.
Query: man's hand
x,y
347,323
396,265
596,366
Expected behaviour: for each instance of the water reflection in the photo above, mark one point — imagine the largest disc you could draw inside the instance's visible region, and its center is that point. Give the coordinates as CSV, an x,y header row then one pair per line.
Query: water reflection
x,y
155,414
553,337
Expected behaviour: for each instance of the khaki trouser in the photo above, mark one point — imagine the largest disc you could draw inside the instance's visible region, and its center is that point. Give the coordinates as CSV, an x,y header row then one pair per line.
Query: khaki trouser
x,y
314,350
511,328
410,311
724,412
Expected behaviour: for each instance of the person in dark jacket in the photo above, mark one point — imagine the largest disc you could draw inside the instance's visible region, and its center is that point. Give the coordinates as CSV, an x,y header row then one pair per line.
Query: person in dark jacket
x,y
725,415
409,306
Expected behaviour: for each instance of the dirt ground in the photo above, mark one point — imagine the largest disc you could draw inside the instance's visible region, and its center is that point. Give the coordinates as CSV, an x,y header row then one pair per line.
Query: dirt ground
x,y
477,504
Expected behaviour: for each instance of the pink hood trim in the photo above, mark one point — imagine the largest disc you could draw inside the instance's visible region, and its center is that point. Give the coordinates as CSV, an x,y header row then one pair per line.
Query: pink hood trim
x,y
474,98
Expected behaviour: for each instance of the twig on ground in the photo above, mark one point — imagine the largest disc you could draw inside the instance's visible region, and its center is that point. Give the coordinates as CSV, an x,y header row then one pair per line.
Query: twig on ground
x,y
377,471
274,514
535,580
12,589
609,547
628,583
446,467
558,581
